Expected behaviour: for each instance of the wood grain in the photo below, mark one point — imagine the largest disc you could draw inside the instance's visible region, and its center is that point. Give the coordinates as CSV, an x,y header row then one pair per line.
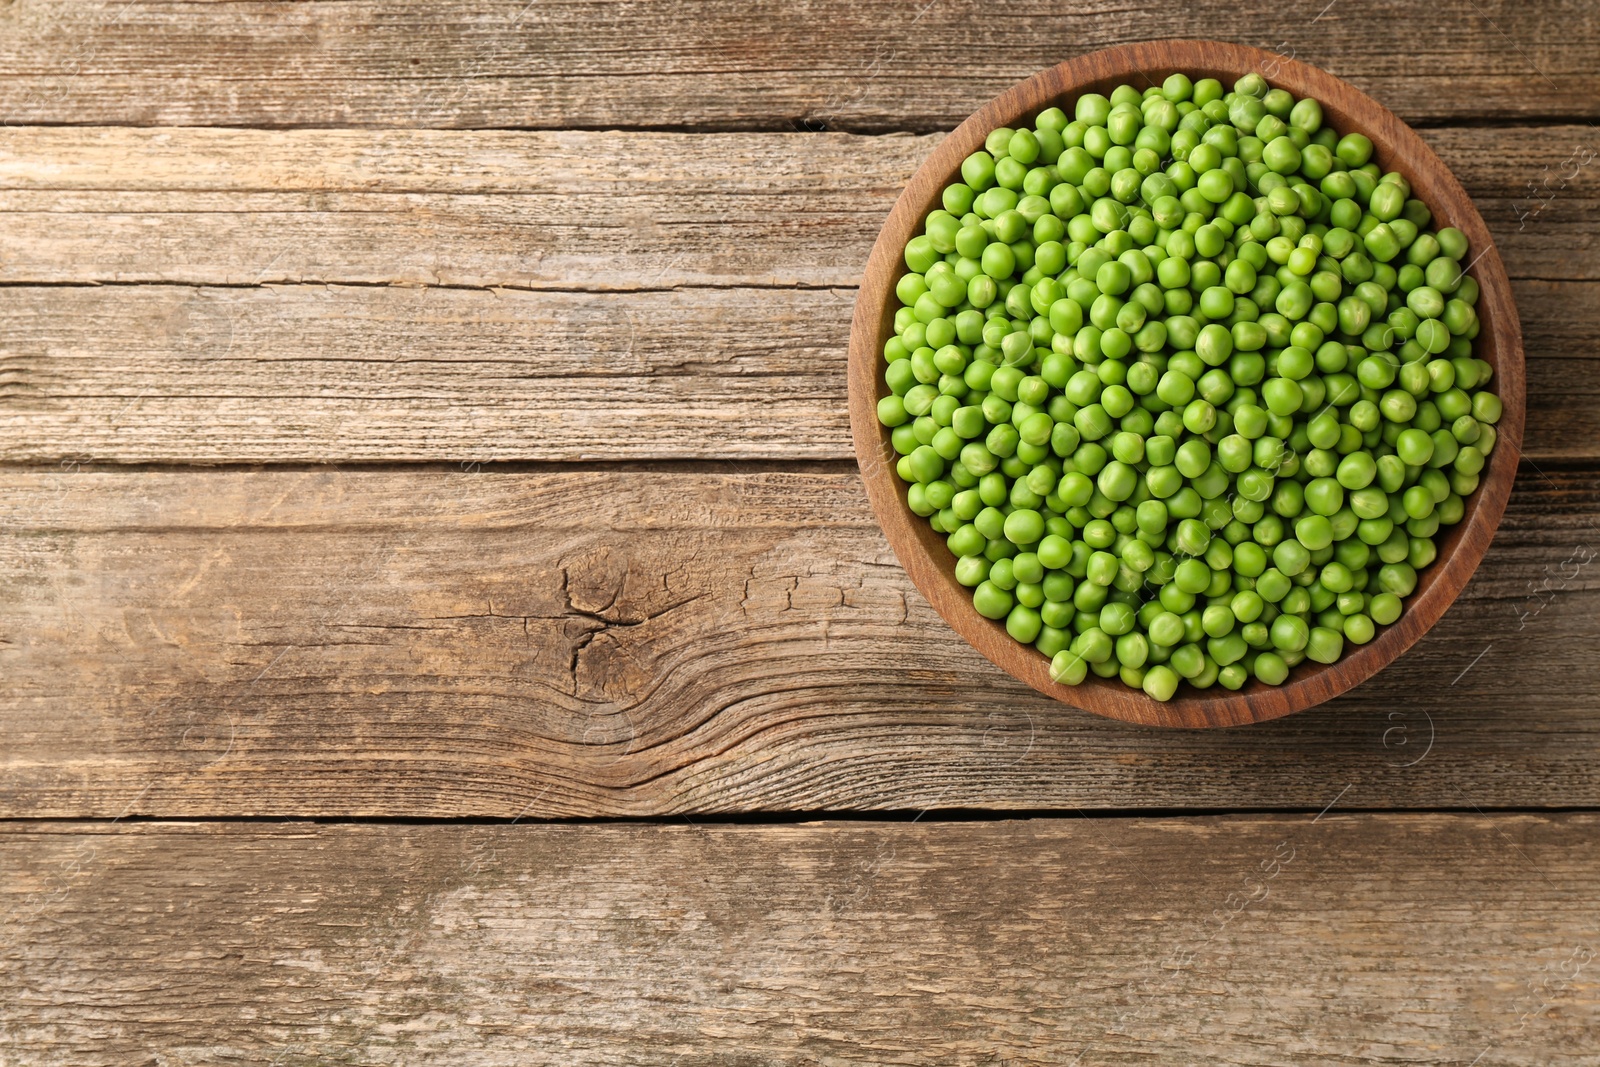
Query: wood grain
x,y
885,64
325,373
921,549
729,366
647,643
572,209
1394,940
665,640
314,373
561,210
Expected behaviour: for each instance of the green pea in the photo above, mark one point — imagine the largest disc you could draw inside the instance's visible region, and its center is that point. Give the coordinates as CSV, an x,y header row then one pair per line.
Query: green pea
x,y
1486,408
1418,502
1324,645
1160,683
1433,336
991,601
1414,447
1271,668
1324,496
1192,576
1249,559
1069,668
1289,633
1117,480
1281,155
1384,608
1283,396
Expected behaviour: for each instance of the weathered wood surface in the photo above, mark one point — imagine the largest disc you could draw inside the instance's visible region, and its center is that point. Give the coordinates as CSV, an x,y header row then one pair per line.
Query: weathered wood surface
x,y
328,373
580,210
643,643
560,210
702,288
306,373
1360,939
905,64
662,641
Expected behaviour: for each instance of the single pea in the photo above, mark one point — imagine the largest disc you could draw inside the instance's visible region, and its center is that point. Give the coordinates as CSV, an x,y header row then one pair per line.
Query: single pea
x,y
1315,532
1234,453
1289,633
1358,628
1188,661
1433,336
1357,470
1192,576
1024,527
1398,578
972,570
1068,668
1217,620
1452,242
1094,645
1486,408
1250,421
1117,480
1116,618
1216,302
1283,396
1469,460
998,261
926,464
991,601
1281,155
1249,559
1193,537
1414,447
1023,624
1192,458
1418,502
1271,669
1166,629
1138,556
1324,645
1160,682
1233,676
1023,146
1177,88
1384,608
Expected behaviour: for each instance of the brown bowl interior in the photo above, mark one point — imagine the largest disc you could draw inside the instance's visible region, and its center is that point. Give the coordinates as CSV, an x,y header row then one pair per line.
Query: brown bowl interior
x,y
922,551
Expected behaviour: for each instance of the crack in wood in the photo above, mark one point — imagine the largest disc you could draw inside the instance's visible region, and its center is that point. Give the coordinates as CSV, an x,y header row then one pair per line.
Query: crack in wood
x,y
603,624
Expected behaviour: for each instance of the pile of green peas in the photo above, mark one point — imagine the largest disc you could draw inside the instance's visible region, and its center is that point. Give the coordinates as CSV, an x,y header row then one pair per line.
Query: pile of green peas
x,y
1188,383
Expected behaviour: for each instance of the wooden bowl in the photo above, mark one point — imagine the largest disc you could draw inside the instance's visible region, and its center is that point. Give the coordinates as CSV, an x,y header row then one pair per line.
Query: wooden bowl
x,y
922,551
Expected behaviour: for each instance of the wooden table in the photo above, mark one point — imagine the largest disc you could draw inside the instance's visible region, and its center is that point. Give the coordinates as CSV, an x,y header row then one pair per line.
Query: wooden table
x,y
442,621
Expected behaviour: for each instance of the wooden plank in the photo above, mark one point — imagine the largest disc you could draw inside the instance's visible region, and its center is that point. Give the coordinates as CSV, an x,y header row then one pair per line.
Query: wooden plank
x,y
744,362
886,64
1379,939
312,373
1537,188
645,643
379,373
422,207
579,210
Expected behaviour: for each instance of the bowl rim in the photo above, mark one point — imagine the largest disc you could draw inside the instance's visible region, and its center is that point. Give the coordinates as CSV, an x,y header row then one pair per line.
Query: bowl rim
x,y
922,552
